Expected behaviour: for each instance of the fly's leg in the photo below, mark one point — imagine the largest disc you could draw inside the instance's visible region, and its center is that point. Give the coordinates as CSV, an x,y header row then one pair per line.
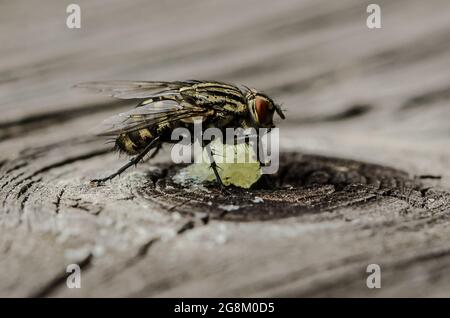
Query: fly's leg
x,y
216,173
157,149
133,162
267,180
214,166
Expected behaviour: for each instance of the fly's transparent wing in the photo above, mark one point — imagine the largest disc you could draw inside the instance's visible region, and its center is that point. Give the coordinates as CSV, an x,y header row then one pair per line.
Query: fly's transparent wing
x,y
161,103
159,112
133,89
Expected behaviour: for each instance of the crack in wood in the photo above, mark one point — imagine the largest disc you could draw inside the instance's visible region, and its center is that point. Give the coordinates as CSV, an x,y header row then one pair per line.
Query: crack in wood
x,y
23,192
59,280
58,164
441,94
12,179
351,276
29,124
18,166
58,200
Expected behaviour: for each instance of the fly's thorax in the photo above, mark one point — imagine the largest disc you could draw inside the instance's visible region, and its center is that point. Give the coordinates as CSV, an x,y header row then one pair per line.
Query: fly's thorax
x,y
226,120
216,96
163,126
194,119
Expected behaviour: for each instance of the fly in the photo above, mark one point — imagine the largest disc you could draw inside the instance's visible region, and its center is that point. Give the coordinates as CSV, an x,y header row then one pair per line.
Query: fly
x,y
165,106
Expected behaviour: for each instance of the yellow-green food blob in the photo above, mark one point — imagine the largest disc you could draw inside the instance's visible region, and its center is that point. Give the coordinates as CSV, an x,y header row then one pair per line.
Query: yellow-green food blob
x,y
237,165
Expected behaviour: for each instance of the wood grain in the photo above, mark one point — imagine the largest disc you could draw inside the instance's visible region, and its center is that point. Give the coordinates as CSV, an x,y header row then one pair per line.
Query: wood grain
x,y
365,165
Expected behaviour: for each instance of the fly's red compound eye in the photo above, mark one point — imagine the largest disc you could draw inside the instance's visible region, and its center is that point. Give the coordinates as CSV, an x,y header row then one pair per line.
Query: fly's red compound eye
x,y
263,110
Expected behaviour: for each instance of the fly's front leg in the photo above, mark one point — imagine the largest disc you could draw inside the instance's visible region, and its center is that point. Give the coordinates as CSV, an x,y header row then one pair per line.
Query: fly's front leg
x,y
133,162
213,165
267,180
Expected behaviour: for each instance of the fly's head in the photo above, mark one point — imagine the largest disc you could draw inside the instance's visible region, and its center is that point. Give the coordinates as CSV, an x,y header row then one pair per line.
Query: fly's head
x,y
262,108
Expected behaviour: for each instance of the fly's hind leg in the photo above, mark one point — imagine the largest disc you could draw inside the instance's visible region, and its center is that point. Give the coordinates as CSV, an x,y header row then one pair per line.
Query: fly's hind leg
x,y
154,153
133,162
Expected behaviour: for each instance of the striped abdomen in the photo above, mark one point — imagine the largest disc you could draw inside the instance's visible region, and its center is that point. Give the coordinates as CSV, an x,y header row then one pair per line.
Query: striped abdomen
x,y
134,142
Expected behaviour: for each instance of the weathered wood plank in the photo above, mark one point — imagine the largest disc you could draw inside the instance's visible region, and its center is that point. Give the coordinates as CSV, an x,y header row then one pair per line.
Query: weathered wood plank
x,y
378,99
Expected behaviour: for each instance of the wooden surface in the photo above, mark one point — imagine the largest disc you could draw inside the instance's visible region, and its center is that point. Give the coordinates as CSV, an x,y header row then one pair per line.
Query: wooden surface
x,y
364,176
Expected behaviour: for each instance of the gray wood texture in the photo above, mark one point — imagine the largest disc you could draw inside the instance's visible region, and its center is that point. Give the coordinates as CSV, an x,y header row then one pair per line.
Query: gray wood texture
x,y
365,169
